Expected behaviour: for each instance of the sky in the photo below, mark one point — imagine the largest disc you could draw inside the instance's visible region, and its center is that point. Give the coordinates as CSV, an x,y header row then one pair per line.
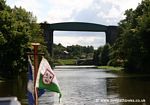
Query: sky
x,y
105,12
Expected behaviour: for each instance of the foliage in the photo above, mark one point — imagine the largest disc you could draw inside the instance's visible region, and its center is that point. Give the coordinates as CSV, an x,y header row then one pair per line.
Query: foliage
x,y
104,56
96,57
101,55
73,52
132,48
78,51
58,51
18,28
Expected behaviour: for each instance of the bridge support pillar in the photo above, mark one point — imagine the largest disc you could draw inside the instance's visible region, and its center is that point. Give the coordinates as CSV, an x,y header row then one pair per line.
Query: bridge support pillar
x,y
48,34
111,34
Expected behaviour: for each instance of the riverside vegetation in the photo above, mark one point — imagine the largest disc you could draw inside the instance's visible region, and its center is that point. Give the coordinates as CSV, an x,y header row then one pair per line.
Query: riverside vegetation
x,y
18,28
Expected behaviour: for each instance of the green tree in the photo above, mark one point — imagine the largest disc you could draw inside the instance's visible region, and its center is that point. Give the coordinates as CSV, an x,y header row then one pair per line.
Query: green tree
x,y
132,47
104,56
77,51
18,28
58,51
96,57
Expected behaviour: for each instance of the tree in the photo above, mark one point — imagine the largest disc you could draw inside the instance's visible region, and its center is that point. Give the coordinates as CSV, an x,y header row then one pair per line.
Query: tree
x,y
104,56
96,57
132,47
18,28
58,51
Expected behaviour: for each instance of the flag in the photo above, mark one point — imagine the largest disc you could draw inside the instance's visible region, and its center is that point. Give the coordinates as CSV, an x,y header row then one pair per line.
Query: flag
x,y
30,86
46,78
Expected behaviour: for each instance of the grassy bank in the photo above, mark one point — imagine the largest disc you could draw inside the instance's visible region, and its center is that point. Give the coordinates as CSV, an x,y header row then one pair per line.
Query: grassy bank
x,y
65,62
111,68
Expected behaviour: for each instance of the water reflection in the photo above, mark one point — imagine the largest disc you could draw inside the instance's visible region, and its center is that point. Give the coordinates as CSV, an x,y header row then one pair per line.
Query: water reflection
x,y
83,86
130,87
15,87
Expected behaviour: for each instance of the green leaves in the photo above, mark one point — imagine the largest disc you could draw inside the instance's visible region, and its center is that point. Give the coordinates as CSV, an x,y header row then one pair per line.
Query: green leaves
x,y
2,39
132,47
18,28
102,55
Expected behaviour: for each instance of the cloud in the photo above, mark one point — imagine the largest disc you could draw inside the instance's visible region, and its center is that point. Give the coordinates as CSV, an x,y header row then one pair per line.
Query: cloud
x,y
59,16
118,8
92,40
37,7
97,11
64,10
84,40
123,4
77,33
113,13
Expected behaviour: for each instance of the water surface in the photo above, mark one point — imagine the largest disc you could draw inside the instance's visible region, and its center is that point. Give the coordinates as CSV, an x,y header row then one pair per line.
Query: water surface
x,y
82,85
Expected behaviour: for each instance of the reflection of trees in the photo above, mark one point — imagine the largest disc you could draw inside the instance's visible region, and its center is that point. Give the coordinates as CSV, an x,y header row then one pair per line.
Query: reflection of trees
x,y
15,87
112,87
129,88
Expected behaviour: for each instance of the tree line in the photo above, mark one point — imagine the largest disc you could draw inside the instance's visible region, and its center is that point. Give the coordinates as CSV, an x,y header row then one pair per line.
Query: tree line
x,y
131,50
72,52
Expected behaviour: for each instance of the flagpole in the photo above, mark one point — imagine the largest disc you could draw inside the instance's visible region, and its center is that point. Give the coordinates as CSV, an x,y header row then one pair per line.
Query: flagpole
x,y
35,45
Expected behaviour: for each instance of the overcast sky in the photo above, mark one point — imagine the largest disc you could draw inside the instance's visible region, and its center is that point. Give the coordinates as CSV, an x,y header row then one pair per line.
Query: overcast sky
x,y
106,12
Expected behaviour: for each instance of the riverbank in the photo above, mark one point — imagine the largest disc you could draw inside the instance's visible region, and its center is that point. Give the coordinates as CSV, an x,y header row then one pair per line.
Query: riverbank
x,y
65,62
73,62
111,68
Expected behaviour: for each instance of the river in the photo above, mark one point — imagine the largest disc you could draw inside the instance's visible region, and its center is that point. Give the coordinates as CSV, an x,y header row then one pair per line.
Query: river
x,y
82,85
